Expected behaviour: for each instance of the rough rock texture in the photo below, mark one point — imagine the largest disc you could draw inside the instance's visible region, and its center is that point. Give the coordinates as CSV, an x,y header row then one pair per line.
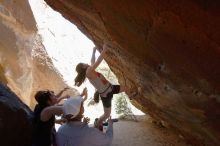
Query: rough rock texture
x,y
169,48
24,63
15,119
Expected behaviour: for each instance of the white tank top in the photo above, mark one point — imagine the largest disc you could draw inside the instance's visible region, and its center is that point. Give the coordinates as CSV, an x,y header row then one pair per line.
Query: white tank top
x,y
100,83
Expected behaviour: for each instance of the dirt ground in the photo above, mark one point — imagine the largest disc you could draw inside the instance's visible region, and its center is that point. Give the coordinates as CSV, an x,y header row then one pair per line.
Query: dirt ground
x,y
144,133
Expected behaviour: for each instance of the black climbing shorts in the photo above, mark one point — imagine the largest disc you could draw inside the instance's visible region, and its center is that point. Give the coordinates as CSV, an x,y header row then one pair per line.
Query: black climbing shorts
x,y
107,101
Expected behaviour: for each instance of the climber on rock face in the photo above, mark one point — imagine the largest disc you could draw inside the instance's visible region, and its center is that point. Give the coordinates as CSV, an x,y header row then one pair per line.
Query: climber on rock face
x,y
104,88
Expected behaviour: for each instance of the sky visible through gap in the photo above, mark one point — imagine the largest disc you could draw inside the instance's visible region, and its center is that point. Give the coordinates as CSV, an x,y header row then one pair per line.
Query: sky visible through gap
x,y
67,46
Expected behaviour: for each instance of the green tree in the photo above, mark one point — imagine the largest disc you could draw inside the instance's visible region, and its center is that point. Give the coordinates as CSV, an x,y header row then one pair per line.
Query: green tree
x,y
122,108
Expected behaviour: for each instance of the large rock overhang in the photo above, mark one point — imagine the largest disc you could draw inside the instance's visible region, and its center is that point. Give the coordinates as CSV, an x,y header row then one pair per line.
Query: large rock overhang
x,y
168,48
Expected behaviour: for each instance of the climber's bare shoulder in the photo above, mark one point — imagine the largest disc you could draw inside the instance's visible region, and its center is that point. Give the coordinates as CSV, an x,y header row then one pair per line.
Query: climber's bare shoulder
x,y
90,72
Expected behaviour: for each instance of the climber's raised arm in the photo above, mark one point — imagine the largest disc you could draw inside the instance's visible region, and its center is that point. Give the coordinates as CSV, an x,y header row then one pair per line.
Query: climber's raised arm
x,y
93,55
100,58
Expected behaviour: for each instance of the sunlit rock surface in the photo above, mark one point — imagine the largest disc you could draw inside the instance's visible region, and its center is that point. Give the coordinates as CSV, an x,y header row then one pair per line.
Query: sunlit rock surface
x,y
24,63
169,48
15,119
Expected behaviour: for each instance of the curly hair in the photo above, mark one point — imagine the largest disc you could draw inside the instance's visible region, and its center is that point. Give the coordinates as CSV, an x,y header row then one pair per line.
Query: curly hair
x,y
42,97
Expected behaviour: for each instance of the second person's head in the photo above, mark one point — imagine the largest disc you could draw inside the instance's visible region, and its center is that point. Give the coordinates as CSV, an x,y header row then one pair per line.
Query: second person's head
x,y
45,97
73,109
